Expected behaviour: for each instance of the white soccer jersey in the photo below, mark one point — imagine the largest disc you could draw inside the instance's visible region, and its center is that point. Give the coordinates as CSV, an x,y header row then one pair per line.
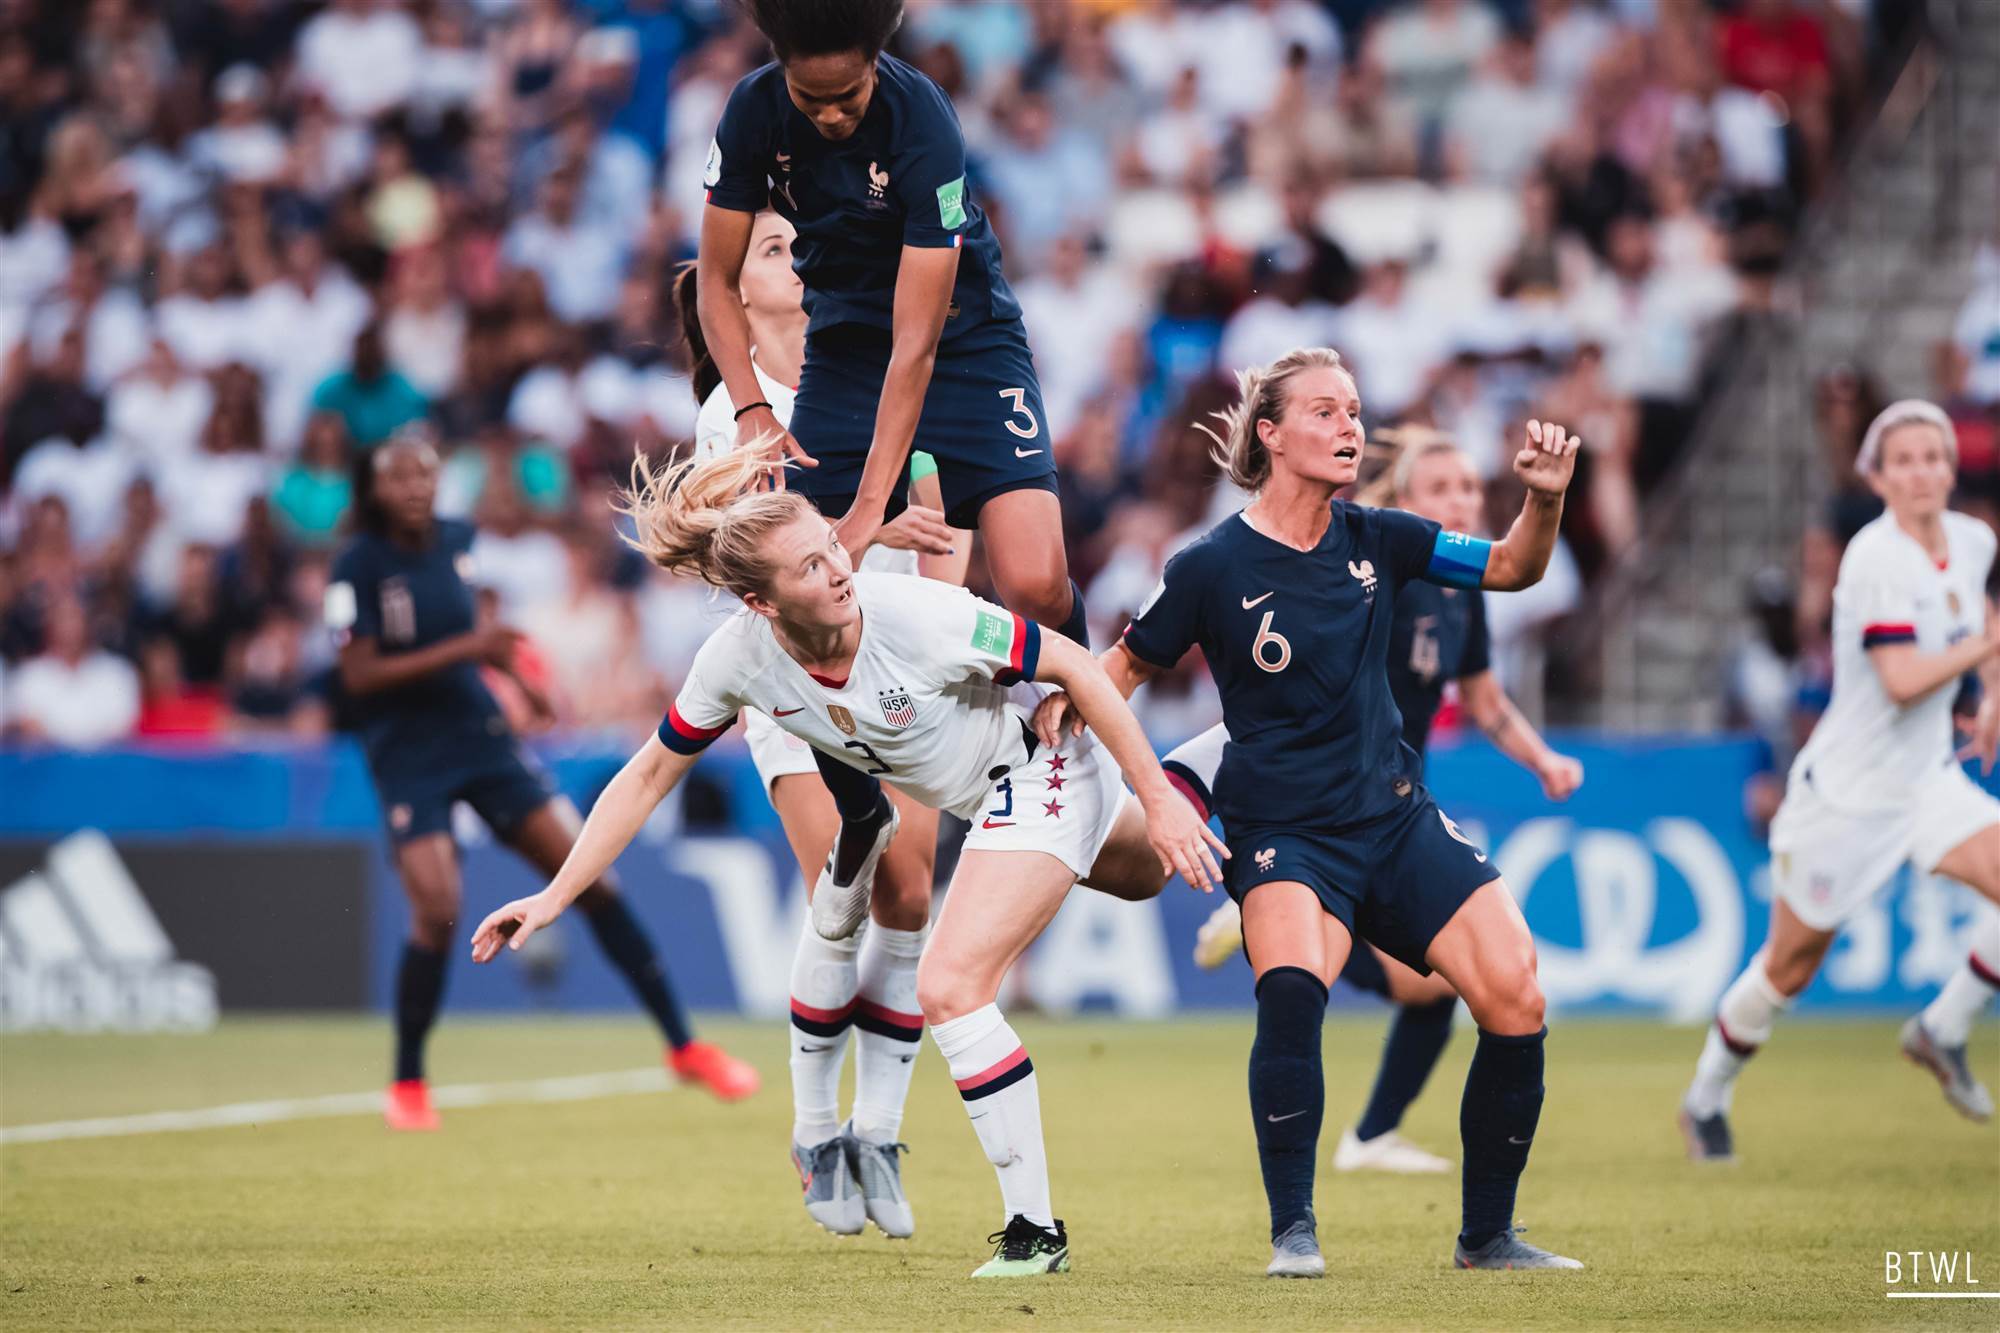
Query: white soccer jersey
x,y
715,434
926,706
1867,753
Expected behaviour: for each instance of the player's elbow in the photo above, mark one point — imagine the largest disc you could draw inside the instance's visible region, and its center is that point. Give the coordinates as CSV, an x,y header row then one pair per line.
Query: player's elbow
x,y
1510,571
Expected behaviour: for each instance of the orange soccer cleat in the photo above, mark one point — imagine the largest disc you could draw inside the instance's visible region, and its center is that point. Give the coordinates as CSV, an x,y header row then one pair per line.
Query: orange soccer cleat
x,y
409,1105
704,1062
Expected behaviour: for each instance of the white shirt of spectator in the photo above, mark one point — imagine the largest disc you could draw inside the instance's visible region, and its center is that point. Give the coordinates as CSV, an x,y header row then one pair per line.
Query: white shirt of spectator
x,y
33,259
204,494
91,482
363,63
1069,327
207,335
526,570
1501,127
1265,328
1655,333
161,423
92,703
548,405
580,264
427,346
251,153
932,642
1868,753
116,334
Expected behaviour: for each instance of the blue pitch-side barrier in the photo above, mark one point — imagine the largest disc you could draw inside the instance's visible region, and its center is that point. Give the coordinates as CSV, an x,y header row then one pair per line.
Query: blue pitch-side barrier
x,y
1646,892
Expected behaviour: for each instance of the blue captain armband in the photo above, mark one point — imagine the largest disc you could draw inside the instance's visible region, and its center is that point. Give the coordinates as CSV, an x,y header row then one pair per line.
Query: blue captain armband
x,y
1458,561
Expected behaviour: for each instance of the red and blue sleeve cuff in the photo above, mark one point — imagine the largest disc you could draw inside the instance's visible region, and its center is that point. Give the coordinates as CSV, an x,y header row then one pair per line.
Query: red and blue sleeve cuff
x,y
683,737
1024,655
1875,636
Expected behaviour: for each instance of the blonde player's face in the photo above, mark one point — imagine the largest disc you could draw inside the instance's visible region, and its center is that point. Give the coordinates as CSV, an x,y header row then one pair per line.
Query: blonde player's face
x,y
1320,436
1914,475
1445,490
769,286
812,580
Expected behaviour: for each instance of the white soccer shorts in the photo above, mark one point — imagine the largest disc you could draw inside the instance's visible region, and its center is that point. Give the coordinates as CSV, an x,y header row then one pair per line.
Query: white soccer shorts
x,y
1064,802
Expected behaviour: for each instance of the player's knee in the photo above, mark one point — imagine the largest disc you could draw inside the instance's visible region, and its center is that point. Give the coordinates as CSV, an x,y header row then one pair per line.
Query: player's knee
x,y
901,909
1040,593
1513,1004
946,991
432,925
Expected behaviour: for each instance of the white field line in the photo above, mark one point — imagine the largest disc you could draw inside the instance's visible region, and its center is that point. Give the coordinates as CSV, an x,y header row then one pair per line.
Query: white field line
x,y
576,1088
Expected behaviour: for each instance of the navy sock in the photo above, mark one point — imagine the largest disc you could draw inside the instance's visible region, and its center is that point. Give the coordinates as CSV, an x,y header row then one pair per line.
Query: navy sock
x,y
419,987
1287,1091
1417,1038
856,795
624,942
1077,625
1496,1125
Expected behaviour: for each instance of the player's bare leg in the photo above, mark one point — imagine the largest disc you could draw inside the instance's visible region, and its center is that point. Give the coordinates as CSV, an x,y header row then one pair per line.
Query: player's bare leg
x,y
998,903
428,869
1022,531
1936,1039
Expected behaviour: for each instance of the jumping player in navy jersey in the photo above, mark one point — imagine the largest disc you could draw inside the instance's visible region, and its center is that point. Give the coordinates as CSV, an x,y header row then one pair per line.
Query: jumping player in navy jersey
x,y
1439,636
433,735
1330,830
914,335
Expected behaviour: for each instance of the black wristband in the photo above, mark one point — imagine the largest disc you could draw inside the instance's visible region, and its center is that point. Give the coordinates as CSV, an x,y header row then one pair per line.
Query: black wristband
x,y
751,407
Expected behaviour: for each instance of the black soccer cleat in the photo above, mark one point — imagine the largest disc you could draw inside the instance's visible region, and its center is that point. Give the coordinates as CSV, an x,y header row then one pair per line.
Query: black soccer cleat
x,y
1025,1250
1708,1137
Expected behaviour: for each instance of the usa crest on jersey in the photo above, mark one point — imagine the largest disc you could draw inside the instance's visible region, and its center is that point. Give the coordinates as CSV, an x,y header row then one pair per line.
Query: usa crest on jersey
x,y
898,709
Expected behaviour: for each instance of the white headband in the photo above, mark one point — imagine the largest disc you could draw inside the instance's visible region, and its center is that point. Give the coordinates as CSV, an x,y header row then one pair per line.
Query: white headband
x,y
1908,412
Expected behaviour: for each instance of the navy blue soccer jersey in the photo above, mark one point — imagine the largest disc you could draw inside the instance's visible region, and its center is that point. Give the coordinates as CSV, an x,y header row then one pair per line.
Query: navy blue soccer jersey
x,y
1439,636
898,180
406,600
1298,643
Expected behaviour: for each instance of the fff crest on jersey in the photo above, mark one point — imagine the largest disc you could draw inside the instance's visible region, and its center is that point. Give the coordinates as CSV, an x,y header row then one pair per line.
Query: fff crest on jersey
x,y
841,718
898,709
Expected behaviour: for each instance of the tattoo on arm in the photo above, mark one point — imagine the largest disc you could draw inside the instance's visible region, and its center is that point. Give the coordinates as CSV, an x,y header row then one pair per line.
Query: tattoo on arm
x,y
1503,721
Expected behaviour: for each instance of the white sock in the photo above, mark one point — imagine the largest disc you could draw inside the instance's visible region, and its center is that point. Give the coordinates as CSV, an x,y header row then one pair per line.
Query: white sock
x,y
889,1030
1743,1022
1192,765
997,1081
824,978
1949,1018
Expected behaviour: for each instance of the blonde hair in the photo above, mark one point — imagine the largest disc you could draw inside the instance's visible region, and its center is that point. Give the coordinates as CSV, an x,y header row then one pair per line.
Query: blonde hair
x,y
708,518
1409,446
1908,412
1262,394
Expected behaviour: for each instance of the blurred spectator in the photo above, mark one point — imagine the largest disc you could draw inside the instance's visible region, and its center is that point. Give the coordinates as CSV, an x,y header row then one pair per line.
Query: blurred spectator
x,y
1281,313
1074,308
72,694
1047,178
170,708
195,621
364,56
158,411
372,400
589,637
1427,52
528,63
578,258
313,493
1503,120
242,145
206,492
1977,332
112,320
271,693
424,331
1393,338
202,318
52,401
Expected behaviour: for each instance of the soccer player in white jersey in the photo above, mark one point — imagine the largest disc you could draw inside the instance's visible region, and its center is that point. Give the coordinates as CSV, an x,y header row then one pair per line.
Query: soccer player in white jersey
x,y
1879,782
865,982
926,687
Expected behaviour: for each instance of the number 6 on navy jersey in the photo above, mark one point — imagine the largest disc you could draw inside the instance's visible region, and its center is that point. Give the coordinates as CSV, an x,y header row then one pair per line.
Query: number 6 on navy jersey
x,y
1266,638
1019,398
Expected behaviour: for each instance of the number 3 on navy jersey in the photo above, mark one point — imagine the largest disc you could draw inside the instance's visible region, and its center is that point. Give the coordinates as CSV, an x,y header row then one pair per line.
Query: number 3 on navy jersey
x,y
1019,398
1270,649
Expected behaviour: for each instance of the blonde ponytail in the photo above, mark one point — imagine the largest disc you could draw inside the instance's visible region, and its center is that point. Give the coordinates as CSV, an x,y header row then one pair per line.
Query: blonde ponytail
x,y
709,519
1261,395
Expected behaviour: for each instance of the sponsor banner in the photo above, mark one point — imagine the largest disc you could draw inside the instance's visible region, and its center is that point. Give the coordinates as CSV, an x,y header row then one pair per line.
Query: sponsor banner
x,y
1647,892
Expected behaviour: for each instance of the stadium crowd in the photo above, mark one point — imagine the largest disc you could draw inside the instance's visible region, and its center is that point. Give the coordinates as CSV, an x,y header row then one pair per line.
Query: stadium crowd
x,y
242,242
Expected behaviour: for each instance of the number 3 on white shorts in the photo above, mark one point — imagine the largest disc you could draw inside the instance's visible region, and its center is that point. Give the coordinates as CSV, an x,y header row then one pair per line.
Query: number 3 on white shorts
x,y
1019,398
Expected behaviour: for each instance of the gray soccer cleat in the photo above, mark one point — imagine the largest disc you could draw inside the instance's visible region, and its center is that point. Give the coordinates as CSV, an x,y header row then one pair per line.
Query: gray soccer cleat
x,y
1296,1253
876,1166
1508,1250
1708,1138
1965,1093
838,908
833,1198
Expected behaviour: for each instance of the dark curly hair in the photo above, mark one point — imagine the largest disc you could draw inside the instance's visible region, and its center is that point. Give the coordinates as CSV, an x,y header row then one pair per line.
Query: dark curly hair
x,y
825,27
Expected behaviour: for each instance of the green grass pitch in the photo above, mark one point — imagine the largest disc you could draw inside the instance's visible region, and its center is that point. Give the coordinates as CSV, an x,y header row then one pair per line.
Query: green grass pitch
x,y
669,1209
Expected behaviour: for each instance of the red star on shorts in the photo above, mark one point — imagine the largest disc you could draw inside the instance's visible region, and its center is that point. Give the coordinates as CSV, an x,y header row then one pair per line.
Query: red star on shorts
x,y
1053,809
1055,782
1056,762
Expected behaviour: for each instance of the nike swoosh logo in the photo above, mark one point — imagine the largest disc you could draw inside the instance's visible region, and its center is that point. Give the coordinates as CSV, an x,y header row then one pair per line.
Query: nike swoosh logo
x,y
906,1059
1274,1119
1005,823
1520,1143
815,1050
1249,602
1025,453
787,712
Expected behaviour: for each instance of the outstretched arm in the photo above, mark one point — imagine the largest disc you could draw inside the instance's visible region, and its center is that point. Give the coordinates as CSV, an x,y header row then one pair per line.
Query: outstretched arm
x,y
1488,706
614,821
1545,464
1180,837
924,281
1057,713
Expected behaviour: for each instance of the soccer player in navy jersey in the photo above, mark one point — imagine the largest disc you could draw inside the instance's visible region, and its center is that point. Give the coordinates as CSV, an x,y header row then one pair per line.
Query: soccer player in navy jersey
x,y
1331,832
914,334
410,662
1439,636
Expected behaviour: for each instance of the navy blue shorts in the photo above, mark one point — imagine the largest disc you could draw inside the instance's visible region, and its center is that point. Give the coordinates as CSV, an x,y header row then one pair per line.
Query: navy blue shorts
x,y
1393,882
502,782
982,420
